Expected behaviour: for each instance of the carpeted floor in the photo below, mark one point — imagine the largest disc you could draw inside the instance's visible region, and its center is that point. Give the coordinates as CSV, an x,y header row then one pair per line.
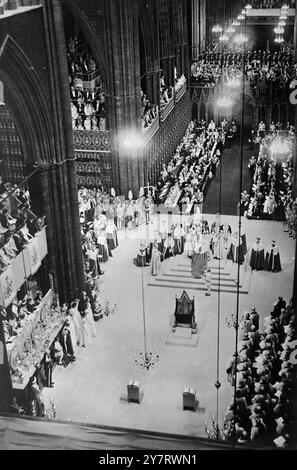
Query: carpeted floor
x,y
230,168
93,389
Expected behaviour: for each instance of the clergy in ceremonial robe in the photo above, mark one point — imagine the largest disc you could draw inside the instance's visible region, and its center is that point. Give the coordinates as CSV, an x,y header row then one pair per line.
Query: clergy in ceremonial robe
x,y
199,262
236,252
155,260
141,259
168,247
272,258
257,260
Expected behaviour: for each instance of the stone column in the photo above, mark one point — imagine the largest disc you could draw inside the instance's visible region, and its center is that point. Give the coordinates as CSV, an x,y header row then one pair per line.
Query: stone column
x,y
198,27
122,42
153,86
58,177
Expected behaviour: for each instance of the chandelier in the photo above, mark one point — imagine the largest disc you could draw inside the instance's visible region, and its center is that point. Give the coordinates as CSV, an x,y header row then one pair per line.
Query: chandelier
x,y
146,360
279,39
223,38
230,320
279,30
230,30
217,29
214,431
240,39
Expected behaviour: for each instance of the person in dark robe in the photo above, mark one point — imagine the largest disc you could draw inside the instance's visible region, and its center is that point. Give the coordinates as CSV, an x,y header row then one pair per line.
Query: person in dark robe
x,y
199,262
279,306
257,260
272,258
67,344
236,252
255,318
141,258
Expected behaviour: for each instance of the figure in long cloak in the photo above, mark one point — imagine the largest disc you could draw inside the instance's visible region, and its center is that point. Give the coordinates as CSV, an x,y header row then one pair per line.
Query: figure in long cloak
x,y
257,260
199,262
272,258
155,260
236,252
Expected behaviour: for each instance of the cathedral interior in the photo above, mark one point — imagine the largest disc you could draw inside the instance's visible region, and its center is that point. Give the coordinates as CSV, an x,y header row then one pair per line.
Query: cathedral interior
x,y
148,219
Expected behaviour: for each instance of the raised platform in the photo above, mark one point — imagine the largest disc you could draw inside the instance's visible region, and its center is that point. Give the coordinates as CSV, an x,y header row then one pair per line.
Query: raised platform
x,y
178,275
182,337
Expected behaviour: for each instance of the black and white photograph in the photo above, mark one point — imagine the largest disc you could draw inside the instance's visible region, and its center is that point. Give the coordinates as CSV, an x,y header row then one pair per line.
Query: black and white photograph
x,y
148,221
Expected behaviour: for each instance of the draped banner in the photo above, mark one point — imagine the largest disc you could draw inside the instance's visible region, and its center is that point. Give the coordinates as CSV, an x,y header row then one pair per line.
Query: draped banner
x,y
26,264
7,287
18,271
35,261
42,243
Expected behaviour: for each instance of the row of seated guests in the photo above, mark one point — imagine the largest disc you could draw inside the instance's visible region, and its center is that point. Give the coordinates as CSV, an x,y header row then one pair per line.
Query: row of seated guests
x,y
166,92
261,68
16,315
76,332
88,106
18,225
78,57
265,377
271,174
271,3
149,111
88,109
183,179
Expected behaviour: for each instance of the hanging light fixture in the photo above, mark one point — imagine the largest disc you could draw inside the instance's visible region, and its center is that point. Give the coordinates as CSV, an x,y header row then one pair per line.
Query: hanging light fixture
x,y
240,39
282,23
148,357
217,29
230,30
279,30
240,17
236,23
279,40
224,37
248,6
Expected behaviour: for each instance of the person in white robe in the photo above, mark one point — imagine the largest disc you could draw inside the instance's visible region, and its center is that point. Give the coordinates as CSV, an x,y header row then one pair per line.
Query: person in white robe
x,y
76,318
156,260
90,320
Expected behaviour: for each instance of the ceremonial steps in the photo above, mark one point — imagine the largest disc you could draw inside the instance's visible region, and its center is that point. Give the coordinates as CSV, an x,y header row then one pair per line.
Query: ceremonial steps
x,y
178,275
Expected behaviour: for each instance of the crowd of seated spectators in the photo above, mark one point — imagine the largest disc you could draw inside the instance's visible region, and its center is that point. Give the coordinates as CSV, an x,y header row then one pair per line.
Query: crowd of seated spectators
x,y
262,68
271,173
149,111
183,179
16,315
271,3
179,80
166,92
18,224
88,106
264,410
